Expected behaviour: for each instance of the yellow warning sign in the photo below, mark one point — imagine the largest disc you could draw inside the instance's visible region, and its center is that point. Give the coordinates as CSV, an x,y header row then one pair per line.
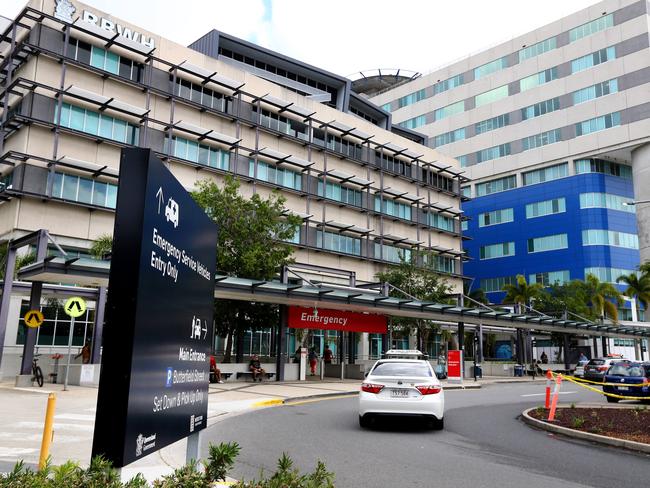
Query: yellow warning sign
x,y
33,318
75,306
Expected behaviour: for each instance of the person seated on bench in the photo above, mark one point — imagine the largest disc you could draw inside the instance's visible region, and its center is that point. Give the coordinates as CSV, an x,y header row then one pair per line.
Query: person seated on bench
x,y
214,370
256,368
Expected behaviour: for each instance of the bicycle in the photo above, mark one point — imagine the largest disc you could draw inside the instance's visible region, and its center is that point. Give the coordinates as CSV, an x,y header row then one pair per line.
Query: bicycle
x,y
36,371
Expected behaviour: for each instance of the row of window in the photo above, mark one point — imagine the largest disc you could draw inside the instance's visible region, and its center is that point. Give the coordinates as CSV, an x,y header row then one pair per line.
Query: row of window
x,y
604,237
606,200
97,124
414,123
528,52
541,139
201,153
84,190
545,174
449,137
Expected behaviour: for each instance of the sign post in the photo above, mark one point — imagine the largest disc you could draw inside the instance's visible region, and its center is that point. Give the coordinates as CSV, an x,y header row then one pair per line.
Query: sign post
x,y
454,366
74,307
153,387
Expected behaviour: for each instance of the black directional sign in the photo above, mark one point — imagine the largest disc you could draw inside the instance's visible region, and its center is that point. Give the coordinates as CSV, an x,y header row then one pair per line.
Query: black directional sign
x,y
34,318
155,364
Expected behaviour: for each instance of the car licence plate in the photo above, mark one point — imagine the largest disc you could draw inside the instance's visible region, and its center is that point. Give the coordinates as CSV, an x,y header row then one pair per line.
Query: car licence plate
x,y
623,388
399,393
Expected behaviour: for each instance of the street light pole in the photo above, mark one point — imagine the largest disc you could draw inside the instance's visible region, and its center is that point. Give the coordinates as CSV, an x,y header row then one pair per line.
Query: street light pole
x,y
637,202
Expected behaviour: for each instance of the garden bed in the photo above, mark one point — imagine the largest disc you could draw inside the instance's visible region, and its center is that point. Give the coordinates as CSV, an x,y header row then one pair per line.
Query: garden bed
x,y
631,424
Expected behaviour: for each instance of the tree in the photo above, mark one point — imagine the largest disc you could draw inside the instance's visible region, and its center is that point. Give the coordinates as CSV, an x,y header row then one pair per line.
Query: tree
x,y
638,287
603,298
522,293
415,277
252,243
101,246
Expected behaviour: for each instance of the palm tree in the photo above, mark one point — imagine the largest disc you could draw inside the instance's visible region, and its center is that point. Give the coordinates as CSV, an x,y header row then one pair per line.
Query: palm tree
x,y
601,298
638,287
521,293
645,268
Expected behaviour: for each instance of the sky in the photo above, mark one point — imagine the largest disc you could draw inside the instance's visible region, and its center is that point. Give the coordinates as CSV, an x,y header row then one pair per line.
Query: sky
x,y
345,36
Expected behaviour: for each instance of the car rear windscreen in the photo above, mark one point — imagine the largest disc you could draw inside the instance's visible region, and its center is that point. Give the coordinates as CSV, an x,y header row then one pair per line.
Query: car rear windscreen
x,y
596,362
626,370
402,369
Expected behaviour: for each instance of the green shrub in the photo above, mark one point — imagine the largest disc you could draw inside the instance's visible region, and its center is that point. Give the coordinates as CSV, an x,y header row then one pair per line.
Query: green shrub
x,y
220,460
287,476
578,422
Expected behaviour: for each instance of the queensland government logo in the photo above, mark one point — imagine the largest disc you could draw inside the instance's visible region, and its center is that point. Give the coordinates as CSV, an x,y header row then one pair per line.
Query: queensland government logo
x,y
64,10
143,444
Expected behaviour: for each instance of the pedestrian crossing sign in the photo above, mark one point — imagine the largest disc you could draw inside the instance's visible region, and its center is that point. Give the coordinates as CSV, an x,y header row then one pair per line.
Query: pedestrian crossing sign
x,y
75,306
33,318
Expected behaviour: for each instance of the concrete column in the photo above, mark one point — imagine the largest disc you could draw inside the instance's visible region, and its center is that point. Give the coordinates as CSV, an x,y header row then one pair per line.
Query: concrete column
x,y
641,178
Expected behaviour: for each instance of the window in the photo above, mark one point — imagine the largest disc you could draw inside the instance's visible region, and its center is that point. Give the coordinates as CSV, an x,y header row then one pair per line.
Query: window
x,y
104,59
491,96
441,263
599,123
202,95
393,164
549,278
338,242
414,123
602,166
491,124
543,139
436,180
491,67
392,253
277,176
595,91
491,285
608,275
540,108
411,98
606,200
200,153
466,191
392,207
340,193
548,243
495,186
493,152
537,79
464,225
440,222
449,110
84,190
603,237
503,249
546,174
462,160
343,146
537,49
547,207
55,330
592,27
593,59
97,124
449,137
495,217
443,86
386,106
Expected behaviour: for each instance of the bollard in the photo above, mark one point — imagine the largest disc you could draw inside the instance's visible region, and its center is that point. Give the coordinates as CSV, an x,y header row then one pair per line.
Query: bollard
x,y
556,394
48,433
549,380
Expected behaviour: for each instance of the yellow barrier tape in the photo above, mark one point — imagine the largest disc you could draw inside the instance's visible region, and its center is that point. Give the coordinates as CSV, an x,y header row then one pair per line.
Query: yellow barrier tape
x,y
600,383
613,395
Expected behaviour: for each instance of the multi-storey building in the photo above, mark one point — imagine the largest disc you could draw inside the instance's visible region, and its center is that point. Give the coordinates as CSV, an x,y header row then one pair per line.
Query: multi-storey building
x,y
77,85
550,127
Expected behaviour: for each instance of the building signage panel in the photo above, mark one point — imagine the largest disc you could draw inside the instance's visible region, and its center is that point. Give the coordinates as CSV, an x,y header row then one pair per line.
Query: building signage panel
x,y
311,318
155,364
455,365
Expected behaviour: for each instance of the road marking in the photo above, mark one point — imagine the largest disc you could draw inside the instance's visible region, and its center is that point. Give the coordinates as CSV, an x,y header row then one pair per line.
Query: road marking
x,y
34,390
57,426
15,451
542,394
268,403
75,416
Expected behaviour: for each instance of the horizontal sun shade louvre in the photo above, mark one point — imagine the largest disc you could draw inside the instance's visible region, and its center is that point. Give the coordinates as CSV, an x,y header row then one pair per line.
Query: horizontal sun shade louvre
x,y
401,239
98,169
276,102
412,154
196,70
234,85
402,194
104,100
206,133
119,40
441,208
447,250
281,157
303,216
343,226
345,177
394,148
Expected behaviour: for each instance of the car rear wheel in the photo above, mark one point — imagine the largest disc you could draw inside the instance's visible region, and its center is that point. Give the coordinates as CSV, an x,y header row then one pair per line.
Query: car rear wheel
x,y
364,421
436,424
612,399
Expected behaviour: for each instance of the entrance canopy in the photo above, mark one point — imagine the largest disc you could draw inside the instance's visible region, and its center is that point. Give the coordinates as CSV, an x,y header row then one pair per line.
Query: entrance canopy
x,y
95,273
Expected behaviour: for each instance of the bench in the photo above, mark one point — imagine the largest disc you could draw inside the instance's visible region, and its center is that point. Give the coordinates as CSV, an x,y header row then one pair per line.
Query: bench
x,y
224,376
248,374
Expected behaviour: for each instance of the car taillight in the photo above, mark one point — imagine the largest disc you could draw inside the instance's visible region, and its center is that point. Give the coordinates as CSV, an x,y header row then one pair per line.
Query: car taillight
x,y
602,368
429,389
371,388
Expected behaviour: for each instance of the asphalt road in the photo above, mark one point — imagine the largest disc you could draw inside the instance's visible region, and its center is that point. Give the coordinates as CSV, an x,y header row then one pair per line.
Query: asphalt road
x,y
484,445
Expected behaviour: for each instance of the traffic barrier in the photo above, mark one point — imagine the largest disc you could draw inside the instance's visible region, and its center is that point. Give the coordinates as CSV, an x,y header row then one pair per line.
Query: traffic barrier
x,y
585,384
556,394
549,380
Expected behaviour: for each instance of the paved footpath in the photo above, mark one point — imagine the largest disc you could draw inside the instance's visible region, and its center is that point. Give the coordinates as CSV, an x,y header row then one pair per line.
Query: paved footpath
x,y
22,413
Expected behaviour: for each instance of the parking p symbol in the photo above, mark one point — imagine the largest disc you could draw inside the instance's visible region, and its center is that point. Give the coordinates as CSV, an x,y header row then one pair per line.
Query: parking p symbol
x,y
169,378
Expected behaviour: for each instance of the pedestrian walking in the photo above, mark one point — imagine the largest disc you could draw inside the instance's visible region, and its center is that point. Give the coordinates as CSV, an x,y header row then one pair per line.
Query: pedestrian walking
x,y
313,359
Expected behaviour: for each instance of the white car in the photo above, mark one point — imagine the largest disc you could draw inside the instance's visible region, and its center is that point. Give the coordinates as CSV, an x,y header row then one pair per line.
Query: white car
x,y
404,387
171,212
